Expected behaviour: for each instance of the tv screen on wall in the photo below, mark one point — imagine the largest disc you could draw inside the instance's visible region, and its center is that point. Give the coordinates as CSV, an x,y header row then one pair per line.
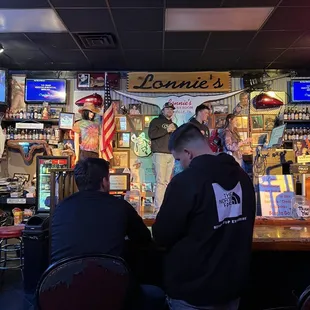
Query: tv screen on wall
x,y
48,90
300,90
3,86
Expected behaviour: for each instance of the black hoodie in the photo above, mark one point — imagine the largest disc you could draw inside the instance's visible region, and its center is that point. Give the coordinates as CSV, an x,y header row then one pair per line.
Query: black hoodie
x,y
206,224
159,135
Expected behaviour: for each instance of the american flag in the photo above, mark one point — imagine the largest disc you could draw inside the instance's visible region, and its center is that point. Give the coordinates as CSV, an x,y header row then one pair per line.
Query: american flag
x,y
108,126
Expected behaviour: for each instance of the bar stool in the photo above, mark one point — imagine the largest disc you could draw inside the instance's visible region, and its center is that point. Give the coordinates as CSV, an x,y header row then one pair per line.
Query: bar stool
x,y
10,242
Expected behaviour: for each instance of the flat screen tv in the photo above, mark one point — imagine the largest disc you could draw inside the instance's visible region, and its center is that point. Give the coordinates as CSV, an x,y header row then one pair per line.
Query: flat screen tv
x,y
300,90
3,86
48,90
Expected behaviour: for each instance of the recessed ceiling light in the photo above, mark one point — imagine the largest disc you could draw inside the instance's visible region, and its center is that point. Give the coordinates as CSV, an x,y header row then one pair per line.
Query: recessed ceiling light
x,y
1,48
216,19
30,20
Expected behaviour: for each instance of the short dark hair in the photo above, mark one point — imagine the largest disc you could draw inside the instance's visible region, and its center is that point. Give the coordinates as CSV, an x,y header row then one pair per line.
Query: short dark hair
x,y
201,107
183,135
90,172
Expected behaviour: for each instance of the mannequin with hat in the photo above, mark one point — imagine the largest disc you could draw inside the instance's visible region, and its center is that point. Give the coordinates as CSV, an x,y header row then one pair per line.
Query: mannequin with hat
x,y
86,133
163,161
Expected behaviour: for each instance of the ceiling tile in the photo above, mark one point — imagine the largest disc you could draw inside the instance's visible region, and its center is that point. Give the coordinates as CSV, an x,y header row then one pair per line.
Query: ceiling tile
x,y
112,59
65,56
275,39
298,56
250,65
182,60
142,40
87,20
23,4
52,40
261,55
78,3
31,20
144,60
250,3
303,41
193,3
16,41
185,40
289,19
230,39
138,19
295,3
220,58
28,56
136,3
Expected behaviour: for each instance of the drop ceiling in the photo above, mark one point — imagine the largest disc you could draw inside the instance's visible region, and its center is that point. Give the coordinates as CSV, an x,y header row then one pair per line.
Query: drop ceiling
x,y
130,35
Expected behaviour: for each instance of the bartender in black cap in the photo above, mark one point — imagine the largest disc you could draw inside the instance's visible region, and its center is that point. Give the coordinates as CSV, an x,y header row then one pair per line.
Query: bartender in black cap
x,y
159,133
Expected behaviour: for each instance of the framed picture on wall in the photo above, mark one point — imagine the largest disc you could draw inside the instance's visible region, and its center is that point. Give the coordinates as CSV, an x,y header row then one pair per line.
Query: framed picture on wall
x,y
121,123
117,107
219,120
220,109
135,109
243,135
242,122
137,122
148,119
259,138
257,122
123,140
121,159
83,80
269,121
66,120
22,176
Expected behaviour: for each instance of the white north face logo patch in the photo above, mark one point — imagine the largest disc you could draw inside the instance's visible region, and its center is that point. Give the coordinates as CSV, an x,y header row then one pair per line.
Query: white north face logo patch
x,y
228,203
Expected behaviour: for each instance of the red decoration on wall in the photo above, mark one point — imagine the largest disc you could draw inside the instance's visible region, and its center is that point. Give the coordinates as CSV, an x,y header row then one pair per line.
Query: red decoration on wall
x,y
264,101
95,99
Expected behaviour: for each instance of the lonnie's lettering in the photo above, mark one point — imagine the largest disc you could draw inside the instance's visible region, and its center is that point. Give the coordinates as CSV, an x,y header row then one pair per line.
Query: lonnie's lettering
x,y
149,83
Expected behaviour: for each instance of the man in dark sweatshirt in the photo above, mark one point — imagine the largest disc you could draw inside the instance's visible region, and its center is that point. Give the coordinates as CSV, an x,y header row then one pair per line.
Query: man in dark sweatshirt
x,y
202,113
206,225
159,133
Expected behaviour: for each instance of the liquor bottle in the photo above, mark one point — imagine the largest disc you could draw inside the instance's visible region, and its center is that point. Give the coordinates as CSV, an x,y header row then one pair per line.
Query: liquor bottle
x,y
293,134
34,132
8,132
41,135
31,113
296,116
22,135
300,114
35,115
307,114
303,113
285,114
48,136
44,134
285,135
308,133
292,114
296,134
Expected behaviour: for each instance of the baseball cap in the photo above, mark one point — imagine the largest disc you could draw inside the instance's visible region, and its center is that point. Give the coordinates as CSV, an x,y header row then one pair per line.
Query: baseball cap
x,y
169,105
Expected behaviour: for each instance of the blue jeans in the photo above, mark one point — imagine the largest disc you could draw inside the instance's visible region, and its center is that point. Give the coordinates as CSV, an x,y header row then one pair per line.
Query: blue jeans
x,y
175,304
152,297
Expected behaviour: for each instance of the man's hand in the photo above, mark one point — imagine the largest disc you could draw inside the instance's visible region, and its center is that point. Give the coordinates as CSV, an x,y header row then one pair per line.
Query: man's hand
x,y
171,128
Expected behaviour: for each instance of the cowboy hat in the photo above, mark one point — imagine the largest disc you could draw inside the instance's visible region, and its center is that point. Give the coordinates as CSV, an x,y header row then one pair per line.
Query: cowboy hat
x,y
89,106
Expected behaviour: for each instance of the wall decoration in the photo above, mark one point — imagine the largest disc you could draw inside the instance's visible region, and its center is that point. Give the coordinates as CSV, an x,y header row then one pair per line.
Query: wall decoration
x,y
121,123
88,81
148,119
269,120
137,121
83,81
123,140
185,105
242,122
120,159
66,120
117,107
17,93
243,135
135,109
220,109
259,138
23,176
257,122
178,82
54,112
219,120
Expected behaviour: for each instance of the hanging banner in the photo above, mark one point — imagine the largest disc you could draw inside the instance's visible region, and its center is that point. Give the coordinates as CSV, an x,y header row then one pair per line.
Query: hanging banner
x,y
178,82
184,105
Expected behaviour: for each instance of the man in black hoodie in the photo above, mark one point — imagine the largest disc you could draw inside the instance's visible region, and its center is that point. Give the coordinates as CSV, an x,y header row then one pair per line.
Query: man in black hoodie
x,y
159,133
206,224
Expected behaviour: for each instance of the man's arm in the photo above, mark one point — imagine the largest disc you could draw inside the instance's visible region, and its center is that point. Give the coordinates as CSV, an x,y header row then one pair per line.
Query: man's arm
x,y
137,232
156,131
171,221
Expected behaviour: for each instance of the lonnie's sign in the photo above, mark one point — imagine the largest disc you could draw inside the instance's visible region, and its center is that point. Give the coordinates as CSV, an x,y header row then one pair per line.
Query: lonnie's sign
x,y
178,82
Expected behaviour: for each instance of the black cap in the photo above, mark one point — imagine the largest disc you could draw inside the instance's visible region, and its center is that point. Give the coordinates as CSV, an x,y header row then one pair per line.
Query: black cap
x,y
169,105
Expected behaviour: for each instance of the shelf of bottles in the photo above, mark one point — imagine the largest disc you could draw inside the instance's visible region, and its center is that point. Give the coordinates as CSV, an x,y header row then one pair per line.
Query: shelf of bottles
x,y
296,133
31,134
32,114
296,114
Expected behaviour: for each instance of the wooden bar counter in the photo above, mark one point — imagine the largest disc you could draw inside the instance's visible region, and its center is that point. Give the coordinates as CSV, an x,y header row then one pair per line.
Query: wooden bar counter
x,y
277,234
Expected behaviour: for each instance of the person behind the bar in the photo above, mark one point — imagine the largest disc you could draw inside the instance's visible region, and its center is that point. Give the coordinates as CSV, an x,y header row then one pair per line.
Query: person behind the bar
x,y
159,133
205,224
202,113
92,221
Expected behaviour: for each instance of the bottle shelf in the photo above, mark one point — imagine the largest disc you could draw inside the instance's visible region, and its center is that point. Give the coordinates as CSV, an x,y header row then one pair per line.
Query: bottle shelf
x,y
296,121
36,120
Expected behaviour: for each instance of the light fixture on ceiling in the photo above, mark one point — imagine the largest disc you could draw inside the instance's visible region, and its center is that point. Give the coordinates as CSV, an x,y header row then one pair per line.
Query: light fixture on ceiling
x,y
1,48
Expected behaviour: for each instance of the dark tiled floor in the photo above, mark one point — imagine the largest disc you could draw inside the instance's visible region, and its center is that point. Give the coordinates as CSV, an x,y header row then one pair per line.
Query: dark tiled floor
x,y
12,296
